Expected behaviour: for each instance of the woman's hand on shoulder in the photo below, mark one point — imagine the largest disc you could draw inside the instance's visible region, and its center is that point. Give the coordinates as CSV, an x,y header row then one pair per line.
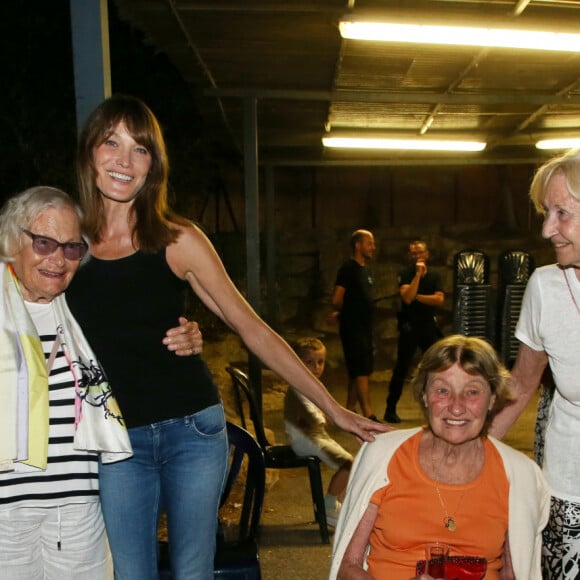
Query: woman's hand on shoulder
x,y
185,339
362,428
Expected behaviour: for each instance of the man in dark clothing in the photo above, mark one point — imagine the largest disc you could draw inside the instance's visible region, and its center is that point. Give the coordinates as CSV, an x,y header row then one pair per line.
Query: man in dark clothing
x,y
354,306
421,291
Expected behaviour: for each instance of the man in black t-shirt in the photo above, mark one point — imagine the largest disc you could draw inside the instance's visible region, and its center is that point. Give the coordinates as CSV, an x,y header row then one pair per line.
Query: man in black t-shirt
x,y
421,291
354,307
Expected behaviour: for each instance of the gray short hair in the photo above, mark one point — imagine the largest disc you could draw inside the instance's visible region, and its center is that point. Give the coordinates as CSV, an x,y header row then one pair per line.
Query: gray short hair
x,y
22,209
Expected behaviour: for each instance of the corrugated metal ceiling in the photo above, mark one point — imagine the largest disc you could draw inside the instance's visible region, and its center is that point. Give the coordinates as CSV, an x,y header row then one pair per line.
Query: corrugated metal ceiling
x,y
289,55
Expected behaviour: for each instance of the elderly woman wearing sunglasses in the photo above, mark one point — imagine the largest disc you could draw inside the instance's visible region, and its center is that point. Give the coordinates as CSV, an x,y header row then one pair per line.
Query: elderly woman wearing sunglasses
x,y
56,409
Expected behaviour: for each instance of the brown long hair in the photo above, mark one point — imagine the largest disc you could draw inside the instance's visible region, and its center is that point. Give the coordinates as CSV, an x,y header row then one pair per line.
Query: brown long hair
x,y
152,230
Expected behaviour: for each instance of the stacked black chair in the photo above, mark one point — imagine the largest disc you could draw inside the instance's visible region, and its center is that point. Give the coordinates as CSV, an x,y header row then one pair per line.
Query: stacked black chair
x,y
280,456
514,270
472,305
236,558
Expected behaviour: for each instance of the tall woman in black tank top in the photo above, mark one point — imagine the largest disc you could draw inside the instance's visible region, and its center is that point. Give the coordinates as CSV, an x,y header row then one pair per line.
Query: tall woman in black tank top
x,y
124,298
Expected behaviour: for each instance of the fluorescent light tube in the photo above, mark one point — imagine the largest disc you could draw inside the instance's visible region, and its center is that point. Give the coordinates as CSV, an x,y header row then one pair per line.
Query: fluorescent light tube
x,y
461,35
406,144
558,143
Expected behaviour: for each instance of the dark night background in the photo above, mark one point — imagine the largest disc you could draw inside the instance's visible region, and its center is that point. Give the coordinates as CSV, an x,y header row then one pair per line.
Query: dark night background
x,y
37,113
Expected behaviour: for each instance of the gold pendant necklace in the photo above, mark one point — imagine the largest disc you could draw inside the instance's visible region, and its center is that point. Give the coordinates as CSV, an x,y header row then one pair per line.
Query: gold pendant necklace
x,y
448,521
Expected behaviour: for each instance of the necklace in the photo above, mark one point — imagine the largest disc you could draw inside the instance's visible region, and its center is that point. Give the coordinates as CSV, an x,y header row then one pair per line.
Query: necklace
x,y
449,520
570,290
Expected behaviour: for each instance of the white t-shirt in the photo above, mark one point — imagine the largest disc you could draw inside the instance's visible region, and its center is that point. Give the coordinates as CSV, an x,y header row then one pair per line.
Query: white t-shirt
x,y
71,475
550,321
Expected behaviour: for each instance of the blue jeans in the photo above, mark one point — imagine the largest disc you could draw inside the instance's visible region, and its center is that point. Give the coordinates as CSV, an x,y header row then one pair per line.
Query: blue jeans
x,y
178,465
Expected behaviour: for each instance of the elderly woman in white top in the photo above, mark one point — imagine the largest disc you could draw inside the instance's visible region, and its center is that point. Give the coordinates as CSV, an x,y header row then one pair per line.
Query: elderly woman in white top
x,y
57,412
549,332
56,408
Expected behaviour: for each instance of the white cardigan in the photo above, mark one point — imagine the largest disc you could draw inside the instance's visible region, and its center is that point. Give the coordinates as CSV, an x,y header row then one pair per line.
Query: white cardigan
x,y
529,500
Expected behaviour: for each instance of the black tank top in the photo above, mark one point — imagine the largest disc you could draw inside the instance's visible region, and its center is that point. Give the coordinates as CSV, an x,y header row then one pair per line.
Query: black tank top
x,y
124,307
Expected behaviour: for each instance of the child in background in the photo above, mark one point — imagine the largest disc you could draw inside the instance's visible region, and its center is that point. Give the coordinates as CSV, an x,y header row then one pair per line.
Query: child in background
x,y
306,427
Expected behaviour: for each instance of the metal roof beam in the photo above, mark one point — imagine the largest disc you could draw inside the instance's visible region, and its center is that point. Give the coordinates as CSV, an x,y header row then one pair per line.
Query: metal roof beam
x,y
426,161
259,7
396,97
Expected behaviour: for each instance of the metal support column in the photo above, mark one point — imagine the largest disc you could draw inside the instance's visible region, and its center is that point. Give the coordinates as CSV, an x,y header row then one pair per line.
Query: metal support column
x,y
92,66
252,228
272,290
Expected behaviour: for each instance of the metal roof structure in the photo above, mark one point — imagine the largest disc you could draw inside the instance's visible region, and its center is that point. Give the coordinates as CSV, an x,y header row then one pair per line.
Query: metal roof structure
x,y
289,57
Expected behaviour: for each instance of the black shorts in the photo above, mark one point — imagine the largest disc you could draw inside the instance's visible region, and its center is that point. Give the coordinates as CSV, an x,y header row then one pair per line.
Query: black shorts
x,y
358,355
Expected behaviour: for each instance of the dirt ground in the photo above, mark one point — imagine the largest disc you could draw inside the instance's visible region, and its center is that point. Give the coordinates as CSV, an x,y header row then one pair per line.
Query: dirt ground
x,y
290,545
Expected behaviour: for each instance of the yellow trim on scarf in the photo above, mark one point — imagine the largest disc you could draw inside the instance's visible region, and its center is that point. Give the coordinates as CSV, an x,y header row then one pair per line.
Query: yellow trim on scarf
x,y
37,402
37,386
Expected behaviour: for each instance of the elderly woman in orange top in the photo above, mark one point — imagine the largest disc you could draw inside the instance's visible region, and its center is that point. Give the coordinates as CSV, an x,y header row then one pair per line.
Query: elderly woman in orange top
x,y
447,482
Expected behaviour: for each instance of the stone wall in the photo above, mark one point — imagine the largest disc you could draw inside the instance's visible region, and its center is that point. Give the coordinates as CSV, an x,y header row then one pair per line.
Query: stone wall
x,y
309,259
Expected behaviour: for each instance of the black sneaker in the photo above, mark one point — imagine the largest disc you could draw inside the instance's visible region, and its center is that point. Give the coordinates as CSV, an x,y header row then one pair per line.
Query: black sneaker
x,y
391,417
374,418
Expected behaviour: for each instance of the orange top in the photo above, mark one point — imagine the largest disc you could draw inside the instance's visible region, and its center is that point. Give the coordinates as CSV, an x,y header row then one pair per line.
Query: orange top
x,y
410,515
